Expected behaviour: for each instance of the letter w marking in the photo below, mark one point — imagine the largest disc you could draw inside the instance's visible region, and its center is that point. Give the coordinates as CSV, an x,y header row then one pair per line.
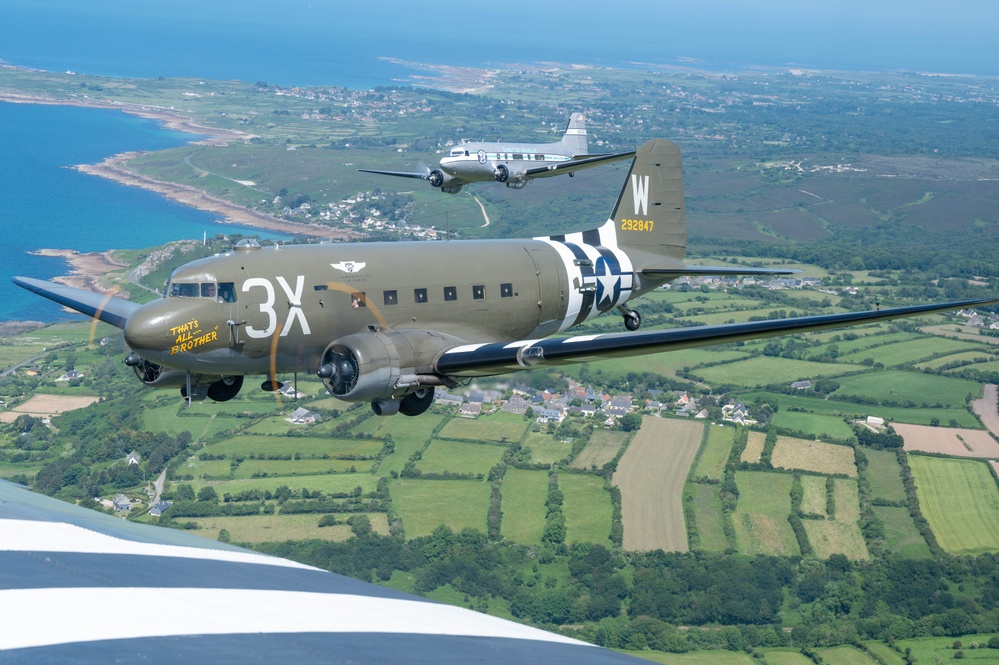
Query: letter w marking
x,y
640,194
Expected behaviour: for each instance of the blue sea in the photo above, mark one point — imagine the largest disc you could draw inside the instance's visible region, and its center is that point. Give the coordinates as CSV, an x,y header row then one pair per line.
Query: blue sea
x,y
43,203
327,42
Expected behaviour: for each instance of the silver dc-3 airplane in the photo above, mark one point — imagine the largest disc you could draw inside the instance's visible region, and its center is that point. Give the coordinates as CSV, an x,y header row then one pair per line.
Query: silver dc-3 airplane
x,y
386,323
515,164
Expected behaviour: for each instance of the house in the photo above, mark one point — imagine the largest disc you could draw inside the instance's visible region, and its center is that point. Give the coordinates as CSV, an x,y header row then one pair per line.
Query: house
x,y
446,398
70,375
121,503
545,415
516,405
471,409
302,416
133,458
802,385
158,509
875,423
288,390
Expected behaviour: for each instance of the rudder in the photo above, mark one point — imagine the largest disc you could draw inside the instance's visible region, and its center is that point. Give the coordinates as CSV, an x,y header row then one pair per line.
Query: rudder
x,y
574,140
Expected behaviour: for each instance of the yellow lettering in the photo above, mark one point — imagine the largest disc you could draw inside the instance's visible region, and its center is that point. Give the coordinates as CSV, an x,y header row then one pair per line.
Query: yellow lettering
x,y
645,225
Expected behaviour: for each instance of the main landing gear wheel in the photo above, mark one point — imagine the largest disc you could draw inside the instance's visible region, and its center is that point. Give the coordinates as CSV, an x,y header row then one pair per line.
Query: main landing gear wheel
x,y
632,319
416,403
225,388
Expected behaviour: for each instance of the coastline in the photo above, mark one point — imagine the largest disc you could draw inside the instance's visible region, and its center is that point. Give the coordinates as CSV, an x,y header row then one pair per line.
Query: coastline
x,y
86,269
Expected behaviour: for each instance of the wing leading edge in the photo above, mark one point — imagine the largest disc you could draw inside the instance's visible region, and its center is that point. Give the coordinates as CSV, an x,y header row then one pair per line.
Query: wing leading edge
x,y
499,358
107,308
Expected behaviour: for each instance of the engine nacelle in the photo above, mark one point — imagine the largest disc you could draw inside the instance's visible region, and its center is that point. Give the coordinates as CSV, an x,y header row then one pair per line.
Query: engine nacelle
x,y
376,366
156,376
508,174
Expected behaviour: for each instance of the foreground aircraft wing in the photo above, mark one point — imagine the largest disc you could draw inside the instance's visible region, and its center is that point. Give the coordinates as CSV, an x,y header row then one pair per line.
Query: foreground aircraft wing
x,y
67,573
107,308
421,175
499,358
577,164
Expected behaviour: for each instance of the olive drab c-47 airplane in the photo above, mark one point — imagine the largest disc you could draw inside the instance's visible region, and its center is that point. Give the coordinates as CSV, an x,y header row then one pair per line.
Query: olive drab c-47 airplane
x,y
386,323
512,163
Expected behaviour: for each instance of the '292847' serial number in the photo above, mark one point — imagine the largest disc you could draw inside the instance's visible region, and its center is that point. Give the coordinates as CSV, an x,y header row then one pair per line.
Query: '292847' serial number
x,y
637,224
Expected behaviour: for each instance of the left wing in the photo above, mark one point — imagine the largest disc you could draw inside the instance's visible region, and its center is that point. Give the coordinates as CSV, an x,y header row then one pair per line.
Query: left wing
x,y
500,357
421,175
107,308
577,164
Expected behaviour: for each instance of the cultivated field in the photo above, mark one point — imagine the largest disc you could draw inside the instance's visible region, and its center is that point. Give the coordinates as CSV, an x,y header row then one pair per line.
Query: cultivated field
x,y
828,537
987,407
901,534
915,387
276,528
884,475
948,441
601,448
499,427
813,424
651,475
754,447
44,406
813,456
459,457
813,498
960,500
761,371
708,516
546,449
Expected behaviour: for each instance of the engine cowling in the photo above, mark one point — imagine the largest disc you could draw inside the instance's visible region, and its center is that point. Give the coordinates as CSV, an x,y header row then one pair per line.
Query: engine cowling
x,y
373,366
155,376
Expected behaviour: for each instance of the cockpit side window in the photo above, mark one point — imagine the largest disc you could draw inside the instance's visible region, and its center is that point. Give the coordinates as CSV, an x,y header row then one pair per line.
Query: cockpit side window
x,y
207,290
227,292
181,290
457,152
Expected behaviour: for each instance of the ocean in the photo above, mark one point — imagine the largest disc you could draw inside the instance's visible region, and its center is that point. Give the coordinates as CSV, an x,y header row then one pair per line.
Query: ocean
x,y
45,204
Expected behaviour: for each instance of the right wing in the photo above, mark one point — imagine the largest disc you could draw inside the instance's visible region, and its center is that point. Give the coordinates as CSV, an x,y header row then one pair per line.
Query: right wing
x,y
107,308
576,164
422,175
503,357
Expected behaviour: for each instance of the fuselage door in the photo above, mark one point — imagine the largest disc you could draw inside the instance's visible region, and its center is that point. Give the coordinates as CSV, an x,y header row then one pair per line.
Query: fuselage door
x,y
551,292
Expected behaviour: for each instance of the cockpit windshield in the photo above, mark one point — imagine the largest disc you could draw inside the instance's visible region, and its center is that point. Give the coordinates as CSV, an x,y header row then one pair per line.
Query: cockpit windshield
x,y
222,292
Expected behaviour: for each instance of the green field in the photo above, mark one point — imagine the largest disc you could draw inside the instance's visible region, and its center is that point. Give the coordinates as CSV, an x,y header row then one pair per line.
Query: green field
x,y
941,649
695,658
967,358
785,657
813,424
762,370
587,508
714,453
910,351
815,456
424,505
459,457
845,655
708,516
915,387
275,528
665,364
408,436
302,467
813,499
884,475
546,449
901,534
760,520
326,483
960,500
499,427
524,494
263,446
916,416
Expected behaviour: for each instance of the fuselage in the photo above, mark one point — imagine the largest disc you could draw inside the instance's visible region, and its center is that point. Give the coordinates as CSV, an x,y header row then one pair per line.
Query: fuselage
x,y
476,162
275,309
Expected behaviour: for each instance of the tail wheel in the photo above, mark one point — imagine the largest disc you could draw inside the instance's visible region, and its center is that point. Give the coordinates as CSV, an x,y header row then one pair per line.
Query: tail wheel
x,y
225,388
416,403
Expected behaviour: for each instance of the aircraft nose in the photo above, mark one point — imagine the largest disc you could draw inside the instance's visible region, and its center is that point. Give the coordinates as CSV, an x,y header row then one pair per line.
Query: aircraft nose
x,y
147,329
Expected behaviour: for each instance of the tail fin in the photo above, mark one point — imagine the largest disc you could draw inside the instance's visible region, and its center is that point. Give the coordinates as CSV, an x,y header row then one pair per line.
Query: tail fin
x,y
649,220
574,140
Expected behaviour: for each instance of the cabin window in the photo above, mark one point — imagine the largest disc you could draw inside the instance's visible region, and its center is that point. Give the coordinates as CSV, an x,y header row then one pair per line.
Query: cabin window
x,y
227,292
180,290
391,298
358,300
321,287
420,295
208,290
518,155
506,290
539,158
450,293
478,291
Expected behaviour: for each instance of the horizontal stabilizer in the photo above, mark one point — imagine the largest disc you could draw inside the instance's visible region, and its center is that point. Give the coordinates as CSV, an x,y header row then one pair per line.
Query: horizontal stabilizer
x,y
694,271
501,357
107,308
